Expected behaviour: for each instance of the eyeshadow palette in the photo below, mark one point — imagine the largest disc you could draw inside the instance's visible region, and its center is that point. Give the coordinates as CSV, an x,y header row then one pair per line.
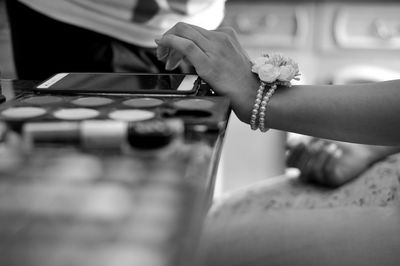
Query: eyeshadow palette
x,y
88,205
210,111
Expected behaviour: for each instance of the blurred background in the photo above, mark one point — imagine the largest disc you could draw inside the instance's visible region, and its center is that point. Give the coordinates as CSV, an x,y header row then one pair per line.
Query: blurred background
x,y
333,42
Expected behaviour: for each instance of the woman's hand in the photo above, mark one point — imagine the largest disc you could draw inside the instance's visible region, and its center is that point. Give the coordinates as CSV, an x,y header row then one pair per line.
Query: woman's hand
x,y
218,58
329,163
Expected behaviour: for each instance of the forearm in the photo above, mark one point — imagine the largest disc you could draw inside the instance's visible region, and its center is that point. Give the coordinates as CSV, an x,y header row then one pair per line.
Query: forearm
x,y
367,113
377,153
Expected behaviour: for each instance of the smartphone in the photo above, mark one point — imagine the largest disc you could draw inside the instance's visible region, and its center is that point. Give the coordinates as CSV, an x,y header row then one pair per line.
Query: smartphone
x,y
126,83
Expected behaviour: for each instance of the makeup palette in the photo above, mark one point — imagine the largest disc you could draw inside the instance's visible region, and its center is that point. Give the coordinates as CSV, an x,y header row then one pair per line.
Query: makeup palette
x,y
63,206
133,188
210,111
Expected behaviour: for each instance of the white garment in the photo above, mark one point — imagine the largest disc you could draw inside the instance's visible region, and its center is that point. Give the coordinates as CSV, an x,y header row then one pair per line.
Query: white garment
x,y
137,22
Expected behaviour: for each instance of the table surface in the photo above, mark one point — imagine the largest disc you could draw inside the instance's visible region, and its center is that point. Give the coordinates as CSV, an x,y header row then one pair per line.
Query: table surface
x,y
66,206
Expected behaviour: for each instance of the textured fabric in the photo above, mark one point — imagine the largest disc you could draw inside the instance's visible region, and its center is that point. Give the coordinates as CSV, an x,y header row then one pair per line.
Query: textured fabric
x,y
137,22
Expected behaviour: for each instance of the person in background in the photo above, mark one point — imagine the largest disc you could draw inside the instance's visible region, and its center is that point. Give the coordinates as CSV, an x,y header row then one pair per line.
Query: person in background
x,y
99,36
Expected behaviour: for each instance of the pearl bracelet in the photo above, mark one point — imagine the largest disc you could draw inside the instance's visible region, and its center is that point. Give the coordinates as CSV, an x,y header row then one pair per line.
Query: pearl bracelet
x,y
257,120
263,108
272,70
256,106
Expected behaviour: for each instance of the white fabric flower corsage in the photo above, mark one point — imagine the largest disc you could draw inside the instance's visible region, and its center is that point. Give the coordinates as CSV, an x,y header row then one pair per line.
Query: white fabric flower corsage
x,y
272,70
275,68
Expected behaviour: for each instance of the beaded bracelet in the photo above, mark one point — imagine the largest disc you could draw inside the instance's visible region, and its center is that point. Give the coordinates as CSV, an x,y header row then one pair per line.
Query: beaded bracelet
x,y
256,106
272,70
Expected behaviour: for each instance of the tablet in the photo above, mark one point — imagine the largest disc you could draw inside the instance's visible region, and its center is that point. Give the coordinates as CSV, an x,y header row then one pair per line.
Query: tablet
x,y
130,83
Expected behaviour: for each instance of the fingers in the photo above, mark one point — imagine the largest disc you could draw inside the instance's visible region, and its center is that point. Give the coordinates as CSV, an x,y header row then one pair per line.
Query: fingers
x,y
322,158
172,56
299,158
209,42
179,48
294,154
201,37
334,175
162,53
296,148
316,160
173,60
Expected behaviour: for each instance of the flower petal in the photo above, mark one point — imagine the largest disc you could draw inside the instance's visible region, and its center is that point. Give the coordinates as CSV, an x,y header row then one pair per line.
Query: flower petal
x,y
268,73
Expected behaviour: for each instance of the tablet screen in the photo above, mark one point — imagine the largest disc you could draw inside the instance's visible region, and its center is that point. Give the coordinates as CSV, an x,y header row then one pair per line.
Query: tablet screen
x,y
121,83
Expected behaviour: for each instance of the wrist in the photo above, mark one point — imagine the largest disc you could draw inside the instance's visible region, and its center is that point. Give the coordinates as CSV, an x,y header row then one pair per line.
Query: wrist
x,y
376,153
273,71
242,99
